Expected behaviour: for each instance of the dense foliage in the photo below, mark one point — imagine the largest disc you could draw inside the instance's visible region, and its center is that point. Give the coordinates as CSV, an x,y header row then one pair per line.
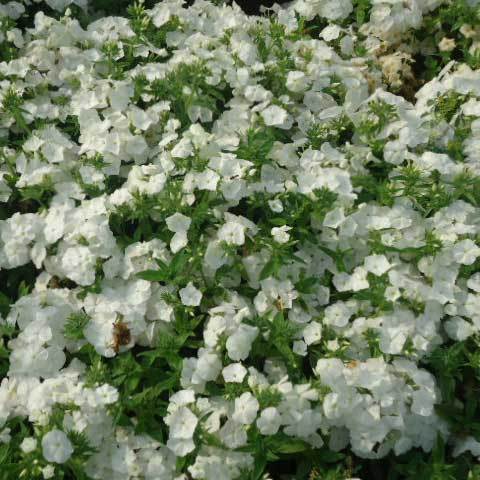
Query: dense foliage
x,y
236,246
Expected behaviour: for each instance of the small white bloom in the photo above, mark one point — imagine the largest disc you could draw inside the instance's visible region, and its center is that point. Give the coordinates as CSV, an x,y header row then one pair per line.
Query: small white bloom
x,y
277,117
377,264
182,149
465,252
181,447
465,444
280,234
392,293
344,282
335,9
190,296
182,423
48,472
330,32
269,421
474,282
56,446
246,408
232,233
296,81
459,329
423,402
337,314
334,218
78,263
235,372
233,434
178,223
446,44
312,333
215,256
300,348
29,444
5,436
208,367
276,206
178,241
106,394
181,399
239,344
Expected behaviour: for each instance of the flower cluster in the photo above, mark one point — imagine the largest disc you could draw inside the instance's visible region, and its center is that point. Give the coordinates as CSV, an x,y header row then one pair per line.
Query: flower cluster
x,y
232,241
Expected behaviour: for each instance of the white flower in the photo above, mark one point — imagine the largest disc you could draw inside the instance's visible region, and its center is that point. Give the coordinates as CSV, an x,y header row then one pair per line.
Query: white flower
x,y
233,434
280,234
181,399
78,264
178,241
5,436
48,472
269,421
215,256
355,282
296,81
106,394
465,252
474,282
276,205
330,32
208,366
446,44
277,117
312,333
182,149
337,314
181,447
178,223
336,9
190,296
423,402
304,423
29,444
246,408
99,332
235,372
467,444
56,446
232,233
377,264
182,423
275,291
300,348
459,329
239,344
334,218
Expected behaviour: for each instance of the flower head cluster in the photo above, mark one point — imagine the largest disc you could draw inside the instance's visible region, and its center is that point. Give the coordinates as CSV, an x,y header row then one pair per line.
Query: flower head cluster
x,y
227,238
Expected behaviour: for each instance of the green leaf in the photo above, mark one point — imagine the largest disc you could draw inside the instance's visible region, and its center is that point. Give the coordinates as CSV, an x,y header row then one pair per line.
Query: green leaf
x,y
270,268
75,324
258,468
5,303
289,446
178,263
4,453
278,221
306,285
153,275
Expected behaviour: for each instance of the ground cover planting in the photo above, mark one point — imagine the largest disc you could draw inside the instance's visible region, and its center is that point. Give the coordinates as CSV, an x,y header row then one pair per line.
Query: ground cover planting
x,y
239,246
